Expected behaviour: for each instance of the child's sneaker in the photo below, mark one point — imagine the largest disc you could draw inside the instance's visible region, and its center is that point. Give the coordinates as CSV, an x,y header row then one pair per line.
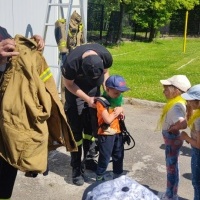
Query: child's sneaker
x,y
163,196
105,177
99,178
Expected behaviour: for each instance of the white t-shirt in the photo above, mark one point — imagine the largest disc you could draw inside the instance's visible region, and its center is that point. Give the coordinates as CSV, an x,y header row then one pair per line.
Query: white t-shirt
x,y
177,112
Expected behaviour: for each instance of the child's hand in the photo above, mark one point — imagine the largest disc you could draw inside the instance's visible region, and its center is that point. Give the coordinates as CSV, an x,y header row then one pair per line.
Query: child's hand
x,y
121,116
183,135
118,111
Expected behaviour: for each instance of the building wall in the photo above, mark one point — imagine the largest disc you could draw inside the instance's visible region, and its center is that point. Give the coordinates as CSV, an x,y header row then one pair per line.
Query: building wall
x,y
27,17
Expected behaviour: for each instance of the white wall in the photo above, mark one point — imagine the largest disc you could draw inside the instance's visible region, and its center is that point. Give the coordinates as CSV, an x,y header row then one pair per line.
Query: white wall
x,y
27,17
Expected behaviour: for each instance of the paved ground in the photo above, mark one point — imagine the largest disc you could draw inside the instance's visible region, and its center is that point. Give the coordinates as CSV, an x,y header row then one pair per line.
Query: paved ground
x,y
144,163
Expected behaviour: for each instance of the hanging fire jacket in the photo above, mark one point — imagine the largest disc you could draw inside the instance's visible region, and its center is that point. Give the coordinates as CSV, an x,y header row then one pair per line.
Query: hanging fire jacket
x,y
32,117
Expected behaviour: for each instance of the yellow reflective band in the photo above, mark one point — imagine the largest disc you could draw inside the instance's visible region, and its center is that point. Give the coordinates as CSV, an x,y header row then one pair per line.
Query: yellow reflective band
x,y
88,137
69,33
81,27
46,75
62,44
79,142
61,20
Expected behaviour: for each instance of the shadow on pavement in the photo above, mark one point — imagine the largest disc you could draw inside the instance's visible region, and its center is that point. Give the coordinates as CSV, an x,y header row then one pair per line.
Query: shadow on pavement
x,y
188,176
59,163
156,192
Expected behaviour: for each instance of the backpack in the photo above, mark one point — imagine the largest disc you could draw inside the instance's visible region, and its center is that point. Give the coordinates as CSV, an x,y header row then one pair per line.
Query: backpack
x,y
75,33
127,138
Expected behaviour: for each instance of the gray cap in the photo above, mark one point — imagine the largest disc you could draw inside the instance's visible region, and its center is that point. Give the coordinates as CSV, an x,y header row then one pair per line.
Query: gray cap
x,y
193,93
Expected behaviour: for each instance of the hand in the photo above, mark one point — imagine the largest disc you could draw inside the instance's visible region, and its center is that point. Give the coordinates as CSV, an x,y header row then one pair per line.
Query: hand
x,y
121,116
118,111
7,50
183,135
91,102
40,42
173,129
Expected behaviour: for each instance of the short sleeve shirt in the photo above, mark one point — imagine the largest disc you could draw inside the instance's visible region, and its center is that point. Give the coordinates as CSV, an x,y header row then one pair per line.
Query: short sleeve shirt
x,y
177,112
72,66
72,70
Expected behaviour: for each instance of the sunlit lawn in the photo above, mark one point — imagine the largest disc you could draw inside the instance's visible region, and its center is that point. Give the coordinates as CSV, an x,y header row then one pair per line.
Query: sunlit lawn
x,y
144,64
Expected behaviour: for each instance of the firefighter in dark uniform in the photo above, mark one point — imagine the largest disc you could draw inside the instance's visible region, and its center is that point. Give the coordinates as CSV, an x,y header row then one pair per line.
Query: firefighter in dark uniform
x,y
84,70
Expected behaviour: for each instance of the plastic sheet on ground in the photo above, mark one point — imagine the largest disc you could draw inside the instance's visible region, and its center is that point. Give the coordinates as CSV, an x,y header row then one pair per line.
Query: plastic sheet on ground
x,y
122,188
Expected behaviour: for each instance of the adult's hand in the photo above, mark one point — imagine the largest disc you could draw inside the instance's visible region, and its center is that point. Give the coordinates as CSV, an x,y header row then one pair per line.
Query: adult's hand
x,y
40,42
74,89
91,102
7,47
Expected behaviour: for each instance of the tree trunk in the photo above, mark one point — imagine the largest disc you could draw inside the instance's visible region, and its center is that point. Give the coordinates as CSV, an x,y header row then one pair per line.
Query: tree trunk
x,y
152,33
119,35
135,31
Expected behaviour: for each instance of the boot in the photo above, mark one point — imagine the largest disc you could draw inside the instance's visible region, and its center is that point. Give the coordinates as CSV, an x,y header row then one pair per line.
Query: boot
x,y
77,177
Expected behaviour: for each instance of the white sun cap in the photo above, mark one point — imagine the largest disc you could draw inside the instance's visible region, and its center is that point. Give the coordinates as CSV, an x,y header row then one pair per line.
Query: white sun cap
x,y
179,81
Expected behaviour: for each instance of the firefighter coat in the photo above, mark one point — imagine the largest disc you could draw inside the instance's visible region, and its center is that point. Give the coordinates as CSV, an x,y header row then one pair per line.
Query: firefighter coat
x,y
32,117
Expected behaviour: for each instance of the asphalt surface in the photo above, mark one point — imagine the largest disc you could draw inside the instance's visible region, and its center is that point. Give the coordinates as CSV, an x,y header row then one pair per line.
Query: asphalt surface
x,y
144,163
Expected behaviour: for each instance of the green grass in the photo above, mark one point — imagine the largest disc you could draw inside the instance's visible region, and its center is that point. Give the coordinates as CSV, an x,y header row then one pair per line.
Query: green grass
x,y
144,64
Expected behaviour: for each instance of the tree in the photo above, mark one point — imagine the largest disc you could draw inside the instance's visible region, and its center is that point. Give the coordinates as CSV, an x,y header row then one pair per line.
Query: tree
x,y
153,14
114,5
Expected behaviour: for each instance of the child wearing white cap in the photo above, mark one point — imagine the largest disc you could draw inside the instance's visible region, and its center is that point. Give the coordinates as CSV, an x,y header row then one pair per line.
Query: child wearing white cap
x,y
172,120
110,139
192,96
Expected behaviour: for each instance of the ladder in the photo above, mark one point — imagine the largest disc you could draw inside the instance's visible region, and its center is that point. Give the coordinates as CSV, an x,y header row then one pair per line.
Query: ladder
x,y
61,8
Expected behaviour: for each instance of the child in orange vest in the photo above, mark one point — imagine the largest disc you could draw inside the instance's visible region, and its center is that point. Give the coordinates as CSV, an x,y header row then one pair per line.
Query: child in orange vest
x,y
110,140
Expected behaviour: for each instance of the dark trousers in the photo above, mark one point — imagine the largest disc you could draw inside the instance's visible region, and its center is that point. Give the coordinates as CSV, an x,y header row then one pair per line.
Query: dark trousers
x,y
80,125
7,179
110,146
195,166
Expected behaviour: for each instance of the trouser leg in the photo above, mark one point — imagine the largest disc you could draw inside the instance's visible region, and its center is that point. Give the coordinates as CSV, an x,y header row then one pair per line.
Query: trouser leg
x,y
172,149
76,157
89,145
118,154
105,144
75,123
195,166
7,179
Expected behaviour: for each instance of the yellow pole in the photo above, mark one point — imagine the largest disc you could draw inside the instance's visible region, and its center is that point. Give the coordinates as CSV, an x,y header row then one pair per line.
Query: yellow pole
x,y
185,32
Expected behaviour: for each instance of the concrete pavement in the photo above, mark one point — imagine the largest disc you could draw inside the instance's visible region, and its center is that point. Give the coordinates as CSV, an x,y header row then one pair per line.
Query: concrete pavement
x,y
144,163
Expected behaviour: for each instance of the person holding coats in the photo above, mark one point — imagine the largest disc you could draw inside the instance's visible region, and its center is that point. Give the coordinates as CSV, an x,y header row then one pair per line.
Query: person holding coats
x,y
8,173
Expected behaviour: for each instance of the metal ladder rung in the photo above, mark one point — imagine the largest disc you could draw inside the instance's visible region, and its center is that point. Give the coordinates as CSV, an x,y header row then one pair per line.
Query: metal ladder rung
x,y
55,66
51,45
47,24
59,4
64,5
